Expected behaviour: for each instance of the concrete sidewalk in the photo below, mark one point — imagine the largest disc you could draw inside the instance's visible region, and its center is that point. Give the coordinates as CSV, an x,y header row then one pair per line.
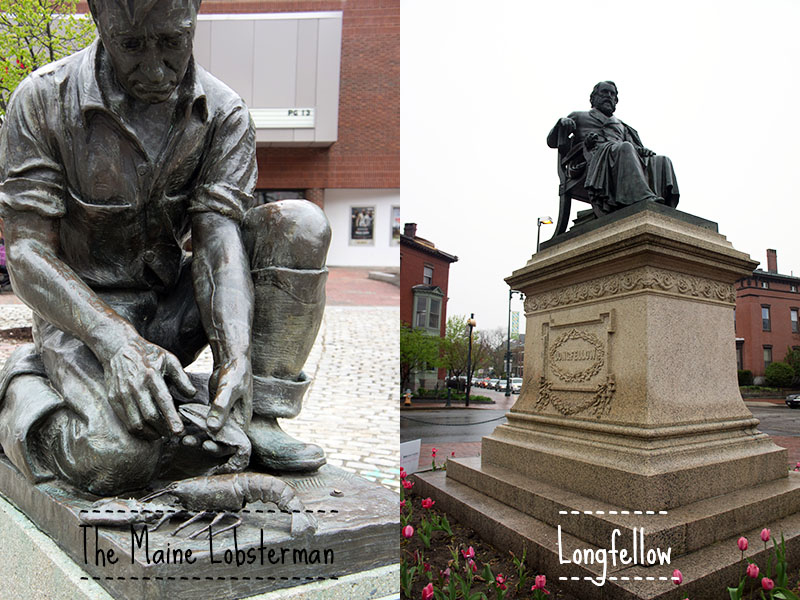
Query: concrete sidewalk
x,y
351,407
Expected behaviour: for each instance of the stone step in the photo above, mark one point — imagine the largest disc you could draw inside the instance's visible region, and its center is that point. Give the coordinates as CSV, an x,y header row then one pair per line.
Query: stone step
x,y
683,529
706,571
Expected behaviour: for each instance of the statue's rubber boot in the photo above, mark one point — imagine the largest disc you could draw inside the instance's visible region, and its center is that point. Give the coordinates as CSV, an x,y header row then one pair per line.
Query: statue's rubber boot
x,y
289,308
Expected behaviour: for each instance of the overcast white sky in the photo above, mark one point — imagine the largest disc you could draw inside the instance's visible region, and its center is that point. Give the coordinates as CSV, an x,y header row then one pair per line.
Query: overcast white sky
x,y
713,85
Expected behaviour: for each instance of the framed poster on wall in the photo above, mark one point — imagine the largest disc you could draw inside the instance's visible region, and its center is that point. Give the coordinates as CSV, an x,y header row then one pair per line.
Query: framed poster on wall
x,y
362,225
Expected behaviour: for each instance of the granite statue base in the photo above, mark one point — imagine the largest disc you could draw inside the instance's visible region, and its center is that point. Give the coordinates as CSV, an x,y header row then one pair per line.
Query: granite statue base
x,y
357,534
630,417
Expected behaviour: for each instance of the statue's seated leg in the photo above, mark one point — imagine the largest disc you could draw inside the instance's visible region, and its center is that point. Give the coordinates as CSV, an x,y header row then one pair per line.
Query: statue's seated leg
x,y
80,440
287,242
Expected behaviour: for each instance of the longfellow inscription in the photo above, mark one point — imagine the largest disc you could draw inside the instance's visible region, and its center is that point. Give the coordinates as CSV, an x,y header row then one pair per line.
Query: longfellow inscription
x,y
571,352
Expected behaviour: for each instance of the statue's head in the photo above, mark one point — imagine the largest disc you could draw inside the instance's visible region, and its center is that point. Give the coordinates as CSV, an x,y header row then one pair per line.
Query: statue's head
x,y
604,97
149,43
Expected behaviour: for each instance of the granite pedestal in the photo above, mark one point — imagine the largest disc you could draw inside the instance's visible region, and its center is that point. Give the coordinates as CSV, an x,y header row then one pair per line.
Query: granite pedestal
x,y
630,417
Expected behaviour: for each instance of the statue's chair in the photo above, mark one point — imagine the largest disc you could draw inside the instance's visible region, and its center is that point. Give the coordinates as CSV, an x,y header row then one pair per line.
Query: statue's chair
x,y
570,187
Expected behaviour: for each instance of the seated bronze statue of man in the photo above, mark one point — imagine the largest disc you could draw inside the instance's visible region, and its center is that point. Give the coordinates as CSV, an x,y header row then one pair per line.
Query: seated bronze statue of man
x,y
111,159
607,157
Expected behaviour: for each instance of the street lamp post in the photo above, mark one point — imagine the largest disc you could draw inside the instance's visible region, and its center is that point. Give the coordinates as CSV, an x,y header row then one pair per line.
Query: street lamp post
x,y
508,342
471,324
539,222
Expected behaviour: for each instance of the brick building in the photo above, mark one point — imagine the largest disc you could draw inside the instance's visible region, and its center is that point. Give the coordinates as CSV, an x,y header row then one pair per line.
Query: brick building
x,y
424,274
322,81
767,317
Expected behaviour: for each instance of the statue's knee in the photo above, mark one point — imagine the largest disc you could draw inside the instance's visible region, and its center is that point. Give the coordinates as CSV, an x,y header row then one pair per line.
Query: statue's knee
x,y
289,233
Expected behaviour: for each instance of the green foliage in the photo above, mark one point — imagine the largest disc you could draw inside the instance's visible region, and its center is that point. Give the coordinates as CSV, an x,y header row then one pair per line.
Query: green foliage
x,y
745,377
793,360
418,351
779,374
34,33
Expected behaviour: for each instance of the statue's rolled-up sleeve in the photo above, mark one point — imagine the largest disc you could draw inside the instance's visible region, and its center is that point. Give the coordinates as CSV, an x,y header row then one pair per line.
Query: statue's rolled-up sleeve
x,y
32,178
228,175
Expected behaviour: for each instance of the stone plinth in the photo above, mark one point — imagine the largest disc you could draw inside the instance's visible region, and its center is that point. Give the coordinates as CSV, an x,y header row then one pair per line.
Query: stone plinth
x,y
630,368
630,425
356,535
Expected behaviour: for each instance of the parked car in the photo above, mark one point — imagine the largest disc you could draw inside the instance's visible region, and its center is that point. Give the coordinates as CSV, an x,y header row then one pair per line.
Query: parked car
x,y
516,385
492,384
500,386
793,400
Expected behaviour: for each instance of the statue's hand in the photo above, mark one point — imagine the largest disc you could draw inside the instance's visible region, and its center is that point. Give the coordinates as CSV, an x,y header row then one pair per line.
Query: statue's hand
x,y
234,393
645,152
136,377
591,140
567,124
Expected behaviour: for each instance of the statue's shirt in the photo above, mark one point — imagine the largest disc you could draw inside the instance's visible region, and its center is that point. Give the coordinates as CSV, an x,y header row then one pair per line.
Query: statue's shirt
x,y
68,155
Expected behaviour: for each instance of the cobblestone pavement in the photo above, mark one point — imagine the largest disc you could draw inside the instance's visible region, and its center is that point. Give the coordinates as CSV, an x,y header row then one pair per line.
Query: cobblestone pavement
x,y
350,409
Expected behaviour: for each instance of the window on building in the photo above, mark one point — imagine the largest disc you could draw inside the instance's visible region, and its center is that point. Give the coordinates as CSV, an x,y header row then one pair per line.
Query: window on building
x,y
766,325
428,311
793,287
739,358
767,356
765,285
794,316
427,275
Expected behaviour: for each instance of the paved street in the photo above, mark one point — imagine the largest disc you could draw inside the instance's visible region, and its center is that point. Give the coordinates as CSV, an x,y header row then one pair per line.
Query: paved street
x,y
351,408
459,430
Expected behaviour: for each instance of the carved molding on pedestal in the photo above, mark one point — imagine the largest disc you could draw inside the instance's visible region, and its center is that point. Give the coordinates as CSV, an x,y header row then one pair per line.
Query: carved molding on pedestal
x,y
599,403
644,278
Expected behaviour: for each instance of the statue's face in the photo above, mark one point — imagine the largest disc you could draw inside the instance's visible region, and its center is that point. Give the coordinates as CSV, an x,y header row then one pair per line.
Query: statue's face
x,y
605,99
150,57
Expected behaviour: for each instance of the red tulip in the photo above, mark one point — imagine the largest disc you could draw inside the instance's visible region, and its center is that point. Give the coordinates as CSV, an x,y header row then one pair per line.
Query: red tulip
x,y
427,592
408,484
427,503
767,583
677,577
408,531
468,553
752,570
433,452
765,535
742,543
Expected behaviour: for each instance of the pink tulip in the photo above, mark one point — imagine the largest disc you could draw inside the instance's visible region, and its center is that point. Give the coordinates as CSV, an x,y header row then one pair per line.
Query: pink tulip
x,y
539,582
752,570
408,484
742,543
403,474
765,535
501,581
426,567
468,553
427,503
472,565
433,452
408,531
767,583
677,577
445,574
427,592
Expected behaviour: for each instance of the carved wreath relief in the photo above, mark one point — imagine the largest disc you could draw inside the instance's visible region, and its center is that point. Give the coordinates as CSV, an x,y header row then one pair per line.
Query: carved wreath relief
x,y
576,376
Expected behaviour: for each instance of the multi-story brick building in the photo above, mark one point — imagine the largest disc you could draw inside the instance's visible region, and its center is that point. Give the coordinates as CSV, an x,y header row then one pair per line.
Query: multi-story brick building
x,y
424,274
322,81
767,317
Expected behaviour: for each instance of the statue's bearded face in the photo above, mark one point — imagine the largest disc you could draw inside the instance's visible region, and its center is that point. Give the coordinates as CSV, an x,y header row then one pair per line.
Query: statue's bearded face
x,y
149,56
604,99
